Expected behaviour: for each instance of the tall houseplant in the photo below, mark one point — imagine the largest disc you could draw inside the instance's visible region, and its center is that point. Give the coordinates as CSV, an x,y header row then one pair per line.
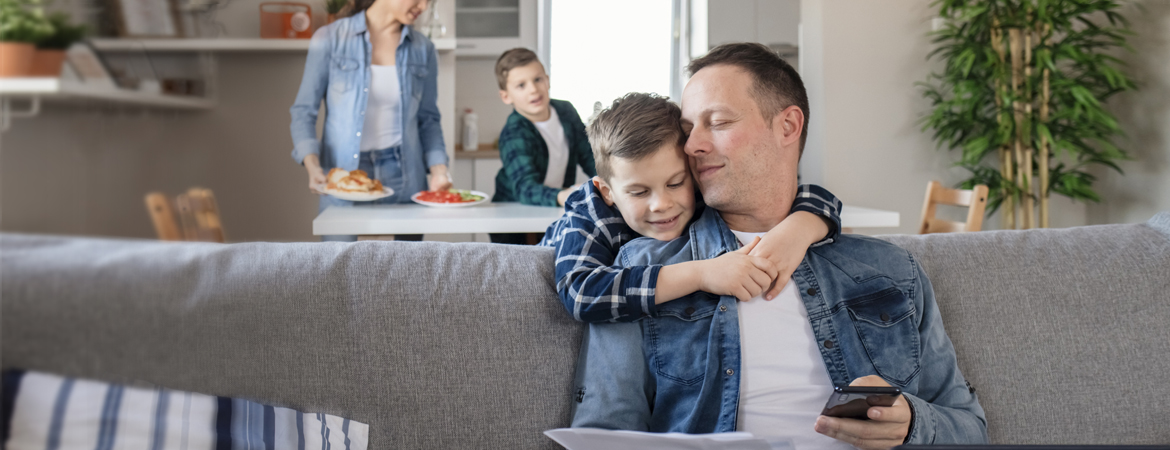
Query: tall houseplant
x,y
1021,95
51,49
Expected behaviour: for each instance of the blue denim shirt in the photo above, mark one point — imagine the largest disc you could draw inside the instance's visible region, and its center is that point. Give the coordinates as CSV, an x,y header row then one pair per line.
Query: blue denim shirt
x,y
871,308
338,70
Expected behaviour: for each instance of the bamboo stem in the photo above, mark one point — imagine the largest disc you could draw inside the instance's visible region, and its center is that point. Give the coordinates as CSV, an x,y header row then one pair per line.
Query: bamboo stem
x,y
1005,158
1026,133
1044,100
1017,62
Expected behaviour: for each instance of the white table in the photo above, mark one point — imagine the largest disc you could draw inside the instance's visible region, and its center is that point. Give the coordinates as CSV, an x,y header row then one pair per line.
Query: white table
x,y
495,218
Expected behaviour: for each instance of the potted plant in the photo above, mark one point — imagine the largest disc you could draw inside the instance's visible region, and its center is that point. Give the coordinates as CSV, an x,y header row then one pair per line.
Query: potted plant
x,y
51,49
1022,97
334,7
22,24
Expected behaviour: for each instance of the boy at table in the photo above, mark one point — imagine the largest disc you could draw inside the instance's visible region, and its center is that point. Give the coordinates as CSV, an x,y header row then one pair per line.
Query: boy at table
x,y
542,143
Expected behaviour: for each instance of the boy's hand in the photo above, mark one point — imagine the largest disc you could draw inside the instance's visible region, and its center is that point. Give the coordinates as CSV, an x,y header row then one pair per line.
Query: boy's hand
x,y
786,244
738,273
563,195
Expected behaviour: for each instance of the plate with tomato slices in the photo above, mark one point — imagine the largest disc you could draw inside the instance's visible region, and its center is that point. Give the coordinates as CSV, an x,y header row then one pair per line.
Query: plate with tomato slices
x,y
454,198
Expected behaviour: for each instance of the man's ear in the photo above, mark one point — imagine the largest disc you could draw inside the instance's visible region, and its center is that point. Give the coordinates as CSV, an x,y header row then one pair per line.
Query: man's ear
x,y
788,125
603,188
504,97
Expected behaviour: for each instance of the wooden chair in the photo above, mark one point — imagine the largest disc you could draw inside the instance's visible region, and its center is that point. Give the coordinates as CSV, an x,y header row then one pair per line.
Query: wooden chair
x,y
192,216
975,200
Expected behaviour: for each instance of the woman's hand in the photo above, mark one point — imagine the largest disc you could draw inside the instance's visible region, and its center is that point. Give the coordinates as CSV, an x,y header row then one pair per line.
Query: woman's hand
x,y
440,180
317,178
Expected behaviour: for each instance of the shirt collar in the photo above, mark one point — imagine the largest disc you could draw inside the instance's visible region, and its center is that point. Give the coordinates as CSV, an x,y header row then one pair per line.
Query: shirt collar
x,y
358,26
710,236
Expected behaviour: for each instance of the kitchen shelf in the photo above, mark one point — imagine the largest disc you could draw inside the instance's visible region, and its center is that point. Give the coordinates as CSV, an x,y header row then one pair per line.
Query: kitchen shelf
x,y
57,89
221,45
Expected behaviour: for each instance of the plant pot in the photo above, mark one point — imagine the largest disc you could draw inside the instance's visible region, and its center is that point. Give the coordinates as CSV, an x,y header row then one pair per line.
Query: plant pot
x,y
47,63
16,59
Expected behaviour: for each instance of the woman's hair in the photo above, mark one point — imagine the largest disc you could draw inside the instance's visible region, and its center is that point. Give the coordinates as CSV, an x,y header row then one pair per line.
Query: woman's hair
x,y
354,6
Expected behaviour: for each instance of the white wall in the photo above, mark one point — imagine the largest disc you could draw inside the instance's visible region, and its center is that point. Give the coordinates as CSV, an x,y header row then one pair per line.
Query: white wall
x,y
476,88
1144,189
763,21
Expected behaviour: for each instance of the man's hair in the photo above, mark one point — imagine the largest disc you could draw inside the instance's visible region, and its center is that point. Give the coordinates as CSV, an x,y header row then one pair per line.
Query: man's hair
x,y
512,59
633,127
776,85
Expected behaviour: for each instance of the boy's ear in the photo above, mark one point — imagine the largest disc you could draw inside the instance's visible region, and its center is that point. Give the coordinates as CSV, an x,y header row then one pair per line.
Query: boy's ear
x,y
504,97
606,193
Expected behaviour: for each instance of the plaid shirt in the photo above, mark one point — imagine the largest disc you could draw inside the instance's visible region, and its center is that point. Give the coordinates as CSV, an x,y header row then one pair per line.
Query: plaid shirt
x,y
525,157
590,233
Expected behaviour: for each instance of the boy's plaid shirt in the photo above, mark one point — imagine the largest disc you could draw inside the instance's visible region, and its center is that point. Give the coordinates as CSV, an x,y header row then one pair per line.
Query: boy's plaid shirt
x,y
525,156
590,233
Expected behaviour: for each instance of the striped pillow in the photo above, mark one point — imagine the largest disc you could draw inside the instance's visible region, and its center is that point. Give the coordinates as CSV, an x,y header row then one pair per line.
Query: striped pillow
x,y
42,411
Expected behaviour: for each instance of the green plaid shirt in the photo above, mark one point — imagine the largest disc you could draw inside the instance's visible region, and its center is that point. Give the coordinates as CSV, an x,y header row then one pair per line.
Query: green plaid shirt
x,y
525,156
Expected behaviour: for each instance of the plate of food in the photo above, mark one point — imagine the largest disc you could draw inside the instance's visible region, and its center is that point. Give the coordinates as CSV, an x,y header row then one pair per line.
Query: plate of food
x,y
355,186
454,198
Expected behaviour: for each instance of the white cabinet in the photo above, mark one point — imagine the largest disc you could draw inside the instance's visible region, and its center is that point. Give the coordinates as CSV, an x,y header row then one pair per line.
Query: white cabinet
x,y
490,27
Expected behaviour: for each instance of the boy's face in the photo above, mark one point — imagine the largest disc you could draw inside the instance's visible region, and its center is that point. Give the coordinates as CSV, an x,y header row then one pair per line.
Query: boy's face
x,y
655,194
527,91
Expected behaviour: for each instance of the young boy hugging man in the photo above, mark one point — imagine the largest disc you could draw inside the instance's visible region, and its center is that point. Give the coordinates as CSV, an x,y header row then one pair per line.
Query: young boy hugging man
x,y
645,188
542,142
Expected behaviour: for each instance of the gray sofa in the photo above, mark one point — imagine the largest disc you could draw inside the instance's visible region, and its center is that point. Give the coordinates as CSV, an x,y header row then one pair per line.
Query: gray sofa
x,y
1065,333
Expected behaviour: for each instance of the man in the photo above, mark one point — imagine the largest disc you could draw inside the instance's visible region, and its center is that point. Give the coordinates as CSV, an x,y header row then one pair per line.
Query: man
x,y
857,311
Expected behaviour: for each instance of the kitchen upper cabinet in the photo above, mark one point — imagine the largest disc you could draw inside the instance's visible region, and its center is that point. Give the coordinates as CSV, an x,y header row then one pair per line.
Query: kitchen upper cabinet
x,y
490,27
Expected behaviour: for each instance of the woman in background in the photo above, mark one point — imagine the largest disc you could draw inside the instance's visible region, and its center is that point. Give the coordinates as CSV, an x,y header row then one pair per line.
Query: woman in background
x,y
378,77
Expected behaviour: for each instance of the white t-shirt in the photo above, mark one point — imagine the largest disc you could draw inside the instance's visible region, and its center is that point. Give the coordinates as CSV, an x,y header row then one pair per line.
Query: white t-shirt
x,y
558,149
382,127
783,382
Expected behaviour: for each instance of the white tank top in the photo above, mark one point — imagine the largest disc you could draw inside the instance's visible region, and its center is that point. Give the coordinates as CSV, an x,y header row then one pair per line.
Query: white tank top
x,y
382,127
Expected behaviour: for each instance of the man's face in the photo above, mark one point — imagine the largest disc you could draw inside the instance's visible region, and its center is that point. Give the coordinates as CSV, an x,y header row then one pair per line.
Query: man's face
x,y
654,194
527,91
734,154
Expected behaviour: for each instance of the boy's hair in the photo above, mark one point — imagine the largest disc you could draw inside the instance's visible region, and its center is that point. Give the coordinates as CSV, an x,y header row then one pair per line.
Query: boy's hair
x,y
776,84
636,125
512,59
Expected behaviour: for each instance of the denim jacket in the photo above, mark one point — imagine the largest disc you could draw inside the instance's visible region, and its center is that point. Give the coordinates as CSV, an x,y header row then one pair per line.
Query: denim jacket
x,y
871,308
338,70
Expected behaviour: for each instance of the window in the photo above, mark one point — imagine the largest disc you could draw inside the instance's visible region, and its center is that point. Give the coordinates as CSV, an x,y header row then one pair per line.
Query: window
x,y
600,50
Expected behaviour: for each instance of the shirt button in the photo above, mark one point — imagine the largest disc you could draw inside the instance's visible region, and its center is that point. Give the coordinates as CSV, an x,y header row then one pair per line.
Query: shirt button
x,y
689,311
829,344
812,291
730,372
885,317
723,308
355,156
359,133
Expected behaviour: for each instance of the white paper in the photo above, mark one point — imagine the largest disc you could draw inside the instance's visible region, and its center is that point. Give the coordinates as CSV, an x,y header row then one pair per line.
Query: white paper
x,y
598,439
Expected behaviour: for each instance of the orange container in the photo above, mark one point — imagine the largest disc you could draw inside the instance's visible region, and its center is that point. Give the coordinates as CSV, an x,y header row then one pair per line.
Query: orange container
x,y
286,20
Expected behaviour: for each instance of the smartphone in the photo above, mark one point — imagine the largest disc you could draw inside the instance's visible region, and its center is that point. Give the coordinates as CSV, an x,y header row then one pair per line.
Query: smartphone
x,y
852,402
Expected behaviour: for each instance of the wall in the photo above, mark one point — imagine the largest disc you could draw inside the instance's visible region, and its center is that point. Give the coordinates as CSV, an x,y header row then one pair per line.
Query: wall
x,y
476,88
1144,188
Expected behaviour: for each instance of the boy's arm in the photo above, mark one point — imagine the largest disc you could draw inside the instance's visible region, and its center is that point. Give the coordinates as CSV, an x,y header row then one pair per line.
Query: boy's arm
x,y
587,239
581,145
815,219
517,151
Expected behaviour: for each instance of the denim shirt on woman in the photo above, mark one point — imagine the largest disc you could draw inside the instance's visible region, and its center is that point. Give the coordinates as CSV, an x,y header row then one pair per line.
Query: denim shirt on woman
x,y
872,311
338,70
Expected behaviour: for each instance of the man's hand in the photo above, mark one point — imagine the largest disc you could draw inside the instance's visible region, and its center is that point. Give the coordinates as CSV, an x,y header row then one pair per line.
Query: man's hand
x,y
737,273
887,427
786,243
317,178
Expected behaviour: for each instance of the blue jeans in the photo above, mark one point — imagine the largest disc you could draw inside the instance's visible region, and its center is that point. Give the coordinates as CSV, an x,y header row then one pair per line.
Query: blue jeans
x,y
382,165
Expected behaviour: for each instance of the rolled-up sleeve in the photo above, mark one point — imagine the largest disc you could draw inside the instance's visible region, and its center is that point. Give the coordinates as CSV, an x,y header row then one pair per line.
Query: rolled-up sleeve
x,y
429,118
308,101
